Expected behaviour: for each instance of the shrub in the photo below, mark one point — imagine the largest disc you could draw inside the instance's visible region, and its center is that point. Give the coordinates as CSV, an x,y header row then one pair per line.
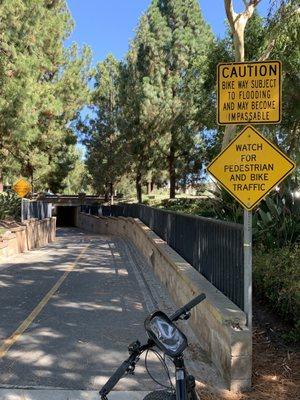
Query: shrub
x,y
10,206
276,221
201,207
222,206
276,276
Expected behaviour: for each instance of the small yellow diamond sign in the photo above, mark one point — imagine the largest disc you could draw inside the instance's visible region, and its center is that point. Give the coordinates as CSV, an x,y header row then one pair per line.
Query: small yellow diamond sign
x,y
22,187
250,167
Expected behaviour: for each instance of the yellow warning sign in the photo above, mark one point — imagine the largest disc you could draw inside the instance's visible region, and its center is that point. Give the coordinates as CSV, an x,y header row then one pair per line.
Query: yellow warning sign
x,y
250,166
22,187
249,93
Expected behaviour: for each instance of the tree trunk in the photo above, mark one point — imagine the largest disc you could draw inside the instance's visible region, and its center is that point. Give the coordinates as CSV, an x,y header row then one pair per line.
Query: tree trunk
x,y
184,183
1,182
148,187
172,174
152,185
138,185
111,193
238,24
31,180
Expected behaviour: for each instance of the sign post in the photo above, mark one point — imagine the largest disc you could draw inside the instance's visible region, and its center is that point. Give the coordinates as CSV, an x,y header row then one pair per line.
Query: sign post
x,y
250,166
248,266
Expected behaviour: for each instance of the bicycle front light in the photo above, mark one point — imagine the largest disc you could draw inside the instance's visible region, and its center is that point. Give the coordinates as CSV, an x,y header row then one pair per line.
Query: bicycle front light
x,y
165,334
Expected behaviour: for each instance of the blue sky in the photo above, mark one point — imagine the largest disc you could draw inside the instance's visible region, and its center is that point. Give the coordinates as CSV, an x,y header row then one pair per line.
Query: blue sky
x,y
108,25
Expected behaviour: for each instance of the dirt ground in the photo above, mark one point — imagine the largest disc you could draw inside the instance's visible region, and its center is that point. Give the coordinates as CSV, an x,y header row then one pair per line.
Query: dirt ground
x,y
276,366
9,223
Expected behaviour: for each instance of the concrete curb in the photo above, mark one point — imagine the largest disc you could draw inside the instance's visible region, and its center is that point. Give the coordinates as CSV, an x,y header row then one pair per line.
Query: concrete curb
x,y
57,394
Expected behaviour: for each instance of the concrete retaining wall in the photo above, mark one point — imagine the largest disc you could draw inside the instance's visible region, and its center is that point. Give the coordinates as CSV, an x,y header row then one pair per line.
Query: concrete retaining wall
x,y
33,233
218,323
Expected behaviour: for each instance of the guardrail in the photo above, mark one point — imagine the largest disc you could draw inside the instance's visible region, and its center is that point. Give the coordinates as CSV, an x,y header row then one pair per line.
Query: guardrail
x,y
35,209
212,247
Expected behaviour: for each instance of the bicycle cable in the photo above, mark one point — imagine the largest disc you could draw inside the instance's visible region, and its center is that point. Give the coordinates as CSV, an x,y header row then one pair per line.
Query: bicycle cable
x,y
164,364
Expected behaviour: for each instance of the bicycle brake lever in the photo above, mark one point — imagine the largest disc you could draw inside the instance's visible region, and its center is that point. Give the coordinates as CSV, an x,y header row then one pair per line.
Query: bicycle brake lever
x,y
130,370
134,347
185,316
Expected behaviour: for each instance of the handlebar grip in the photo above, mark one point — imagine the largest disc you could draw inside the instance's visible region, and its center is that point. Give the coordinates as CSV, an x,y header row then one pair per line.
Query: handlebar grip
x,y
195,301
118,374
188,307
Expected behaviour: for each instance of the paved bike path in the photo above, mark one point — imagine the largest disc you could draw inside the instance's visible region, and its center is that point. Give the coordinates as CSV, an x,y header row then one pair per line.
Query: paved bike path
x,y
80,333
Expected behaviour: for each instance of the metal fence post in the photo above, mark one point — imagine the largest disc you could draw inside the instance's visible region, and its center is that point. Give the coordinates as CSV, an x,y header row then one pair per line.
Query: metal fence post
x,y
22,210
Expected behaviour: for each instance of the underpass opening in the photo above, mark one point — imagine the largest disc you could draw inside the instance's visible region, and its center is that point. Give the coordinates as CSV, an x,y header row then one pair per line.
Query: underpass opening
x,y
66,216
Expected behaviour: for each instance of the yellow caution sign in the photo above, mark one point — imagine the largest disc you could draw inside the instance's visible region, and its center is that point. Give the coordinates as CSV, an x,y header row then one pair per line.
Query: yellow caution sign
x,y
250,167
249,93
22,187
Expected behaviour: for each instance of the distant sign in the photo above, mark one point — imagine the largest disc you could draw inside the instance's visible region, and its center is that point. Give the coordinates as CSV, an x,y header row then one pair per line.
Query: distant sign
x,y
22,187
249,167
249,93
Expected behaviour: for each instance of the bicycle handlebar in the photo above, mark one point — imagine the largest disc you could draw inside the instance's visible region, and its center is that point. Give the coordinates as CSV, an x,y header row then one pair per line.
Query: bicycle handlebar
x,y
123,368
119,373
185,309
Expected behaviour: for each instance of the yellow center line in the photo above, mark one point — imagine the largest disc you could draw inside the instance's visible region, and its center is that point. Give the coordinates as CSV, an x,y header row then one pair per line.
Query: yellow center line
x,y
10,341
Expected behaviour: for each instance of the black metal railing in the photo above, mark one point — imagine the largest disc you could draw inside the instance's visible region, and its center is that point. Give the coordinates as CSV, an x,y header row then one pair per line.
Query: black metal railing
x,y
212,247
36,209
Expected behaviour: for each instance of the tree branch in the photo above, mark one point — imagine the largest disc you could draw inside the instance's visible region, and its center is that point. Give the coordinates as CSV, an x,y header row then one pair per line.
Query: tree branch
x,y
266,54
231,14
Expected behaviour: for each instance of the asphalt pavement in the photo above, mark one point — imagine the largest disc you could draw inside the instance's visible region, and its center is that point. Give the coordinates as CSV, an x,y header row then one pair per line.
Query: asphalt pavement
x,y
68,312
81,334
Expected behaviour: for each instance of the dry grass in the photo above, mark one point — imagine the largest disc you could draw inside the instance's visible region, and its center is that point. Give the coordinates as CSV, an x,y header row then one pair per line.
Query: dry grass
x,y
276,374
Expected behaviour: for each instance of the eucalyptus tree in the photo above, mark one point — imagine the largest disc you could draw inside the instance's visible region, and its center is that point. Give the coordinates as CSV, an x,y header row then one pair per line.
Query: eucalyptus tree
x,y
223,51
282,24
274,37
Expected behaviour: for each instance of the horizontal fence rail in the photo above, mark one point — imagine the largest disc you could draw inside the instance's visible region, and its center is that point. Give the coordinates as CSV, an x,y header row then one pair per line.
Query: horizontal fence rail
x,y
212,247
36,209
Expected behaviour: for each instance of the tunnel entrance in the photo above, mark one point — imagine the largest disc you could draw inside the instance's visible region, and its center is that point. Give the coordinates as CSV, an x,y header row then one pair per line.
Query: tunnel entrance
x,y
66,216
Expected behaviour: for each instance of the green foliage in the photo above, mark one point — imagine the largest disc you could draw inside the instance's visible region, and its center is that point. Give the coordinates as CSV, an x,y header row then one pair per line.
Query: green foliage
x,y
78,180
225,207
277,279
277,37
276,222
220,206
201,207
43,87
167,58
10,206
106,157
134,127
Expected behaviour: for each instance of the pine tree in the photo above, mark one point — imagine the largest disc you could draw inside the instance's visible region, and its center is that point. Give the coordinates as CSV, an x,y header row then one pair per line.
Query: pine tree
x,y
173,49
106,159
43,86
134,127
